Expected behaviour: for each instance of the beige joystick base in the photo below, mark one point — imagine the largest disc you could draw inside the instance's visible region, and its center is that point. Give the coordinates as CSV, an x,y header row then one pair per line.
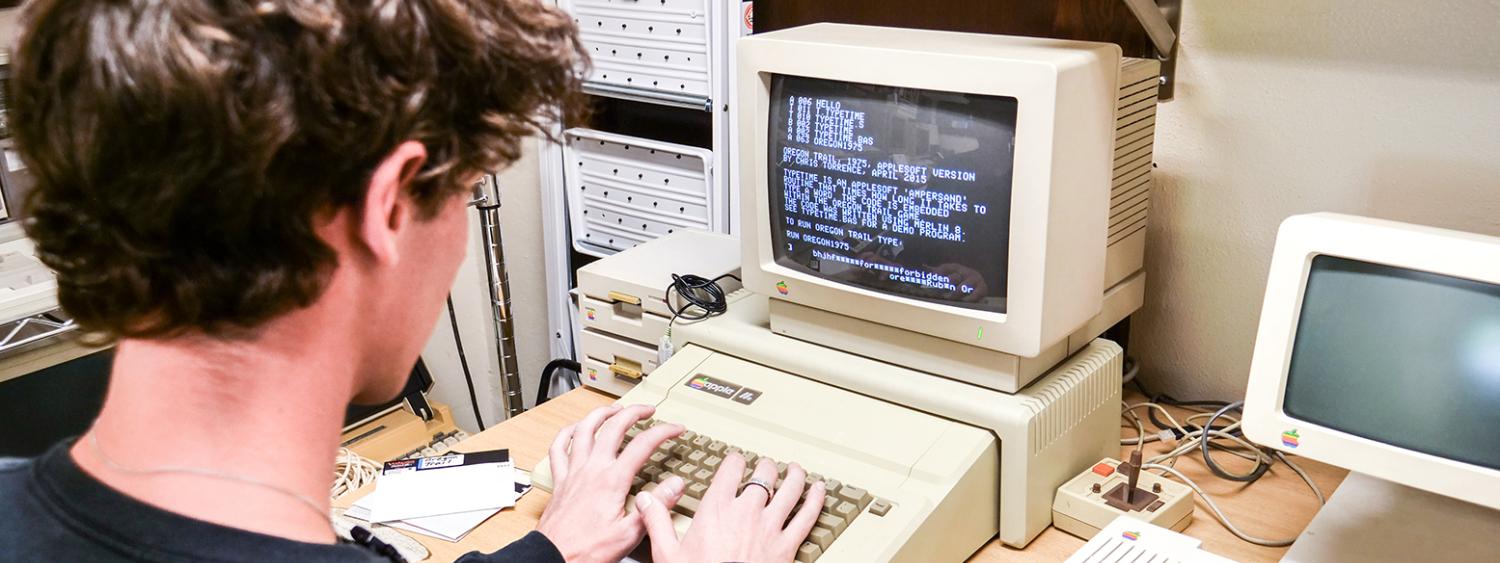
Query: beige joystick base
x,y
1094,498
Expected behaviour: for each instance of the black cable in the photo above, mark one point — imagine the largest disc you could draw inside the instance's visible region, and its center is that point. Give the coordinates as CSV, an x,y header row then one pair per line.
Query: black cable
x,y
1261,465
463,361
544,388
697,291
1166,399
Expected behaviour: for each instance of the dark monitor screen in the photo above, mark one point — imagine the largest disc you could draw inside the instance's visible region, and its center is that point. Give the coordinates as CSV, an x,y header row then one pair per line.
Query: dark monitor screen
x,y
1398,356
897,190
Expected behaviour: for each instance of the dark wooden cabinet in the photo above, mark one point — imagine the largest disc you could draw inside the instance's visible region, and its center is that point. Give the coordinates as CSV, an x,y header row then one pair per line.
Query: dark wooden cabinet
x,y
1093,20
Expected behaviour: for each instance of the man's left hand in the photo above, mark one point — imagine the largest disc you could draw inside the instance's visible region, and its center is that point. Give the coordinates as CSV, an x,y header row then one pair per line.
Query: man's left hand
x,y
591,477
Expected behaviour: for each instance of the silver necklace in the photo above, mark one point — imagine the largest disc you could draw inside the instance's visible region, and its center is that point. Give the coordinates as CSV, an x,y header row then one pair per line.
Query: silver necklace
x,y
200,472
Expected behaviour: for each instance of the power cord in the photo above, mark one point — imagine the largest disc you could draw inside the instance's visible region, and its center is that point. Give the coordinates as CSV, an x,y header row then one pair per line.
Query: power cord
x,y
464,362
1219,514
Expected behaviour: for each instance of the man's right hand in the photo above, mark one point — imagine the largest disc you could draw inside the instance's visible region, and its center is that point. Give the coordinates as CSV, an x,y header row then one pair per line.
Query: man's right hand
x,y
749,526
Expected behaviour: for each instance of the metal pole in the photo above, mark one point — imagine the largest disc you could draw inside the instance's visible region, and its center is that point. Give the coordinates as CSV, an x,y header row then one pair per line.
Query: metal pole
x,y
499,287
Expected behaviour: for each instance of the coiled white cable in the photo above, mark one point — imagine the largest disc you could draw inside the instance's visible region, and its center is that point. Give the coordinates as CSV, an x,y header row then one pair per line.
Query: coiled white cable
x,y
352,471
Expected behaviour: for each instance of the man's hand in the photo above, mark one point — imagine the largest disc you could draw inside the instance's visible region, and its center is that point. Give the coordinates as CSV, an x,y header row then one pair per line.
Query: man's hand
x,y
586,519
750,526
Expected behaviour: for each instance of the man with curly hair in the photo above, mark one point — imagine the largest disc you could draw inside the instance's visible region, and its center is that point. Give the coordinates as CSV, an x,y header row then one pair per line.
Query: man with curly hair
x,y
263,204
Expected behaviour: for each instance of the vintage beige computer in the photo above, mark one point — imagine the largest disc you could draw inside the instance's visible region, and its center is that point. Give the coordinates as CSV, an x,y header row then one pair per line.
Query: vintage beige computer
x,y
932,246
1379,351
898,161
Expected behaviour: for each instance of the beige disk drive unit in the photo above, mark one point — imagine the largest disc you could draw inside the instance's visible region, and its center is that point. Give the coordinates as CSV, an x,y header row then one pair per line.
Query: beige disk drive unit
x,y
622,303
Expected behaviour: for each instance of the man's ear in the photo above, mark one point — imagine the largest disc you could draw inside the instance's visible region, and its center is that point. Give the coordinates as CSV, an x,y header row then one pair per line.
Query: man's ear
x,y
386,213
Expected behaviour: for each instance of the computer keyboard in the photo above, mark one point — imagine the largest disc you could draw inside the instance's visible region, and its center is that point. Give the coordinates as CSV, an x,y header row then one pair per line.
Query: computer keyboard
x,y
696,459
441,443
903,485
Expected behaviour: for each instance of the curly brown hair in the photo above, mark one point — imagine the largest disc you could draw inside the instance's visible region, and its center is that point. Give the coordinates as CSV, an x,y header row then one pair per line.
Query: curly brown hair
x,y
183,149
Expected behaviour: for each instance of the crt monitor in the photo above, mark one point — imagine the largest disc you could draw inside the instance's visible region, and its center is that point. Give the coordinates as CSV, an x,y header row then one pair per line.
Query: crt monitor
x,y
1379,352
953,185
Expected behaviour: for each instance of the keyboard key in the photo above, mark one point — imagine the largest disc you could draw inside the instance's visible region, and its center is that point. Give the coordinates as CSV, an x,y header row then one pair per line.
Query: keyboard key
x,y
822,537
856,495
809,552
717,447
666,447
697,456
697,490
845,510
880,507
650,472
712,463
832,523
703,476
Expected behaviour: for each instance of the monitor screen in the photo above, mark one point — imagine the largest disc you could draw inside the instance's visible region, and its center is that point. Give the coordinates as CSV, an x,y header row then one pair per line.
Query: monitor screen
x,y
897,190
1402,357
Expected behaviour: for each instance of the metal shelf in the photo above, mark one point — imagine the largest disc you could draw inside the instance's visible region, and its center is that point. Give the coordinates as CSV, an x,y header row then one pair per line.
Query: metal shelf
x,y
36,330
623,191
688,101
656,52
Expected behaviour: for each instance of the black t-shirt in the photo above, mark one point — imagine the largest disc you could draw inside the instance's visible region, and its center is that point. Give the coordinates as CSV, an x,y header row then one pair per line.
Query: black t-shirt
x,y
50,510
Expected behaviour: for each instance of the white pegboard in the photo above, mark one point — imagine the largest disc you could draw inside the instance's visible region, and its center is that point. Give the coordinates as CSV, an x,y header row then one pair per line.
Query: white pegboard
x,y
623,191
658,47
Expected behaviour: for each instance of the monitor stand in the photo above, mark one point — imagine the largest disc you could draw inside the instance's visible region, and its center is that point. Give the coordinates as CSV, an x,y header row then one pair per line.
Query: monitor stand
x,y
946,358
1370,519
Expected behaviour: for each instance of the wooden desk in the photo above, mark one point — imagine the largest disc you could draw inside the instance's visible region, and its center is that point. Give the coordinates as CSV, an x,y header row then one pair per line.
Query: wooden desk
x,y
1279,505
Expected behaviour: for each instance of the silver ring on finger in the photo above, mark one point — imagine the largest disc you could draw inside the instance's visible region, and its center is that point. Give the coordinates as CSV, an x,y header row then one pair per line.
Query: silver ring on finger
x,y
764,486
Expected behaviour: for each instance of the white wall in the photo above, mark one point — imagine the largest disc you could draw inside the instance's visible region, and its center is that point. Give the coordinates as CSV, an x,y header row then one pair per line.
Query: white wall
x,y
1385,108
520,224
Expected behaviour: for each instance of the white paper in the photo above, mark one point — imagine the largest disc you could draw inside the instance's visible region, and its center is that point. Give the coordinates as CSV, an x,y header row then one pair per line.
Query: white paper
x,y
447,527
451,527
1127,539
448,490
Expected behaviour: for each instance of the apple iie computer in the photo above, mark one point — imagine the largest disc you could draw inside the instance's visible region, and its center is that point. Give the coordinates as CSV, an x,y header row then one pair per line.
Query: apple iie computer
x,y
938,226
1379,352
